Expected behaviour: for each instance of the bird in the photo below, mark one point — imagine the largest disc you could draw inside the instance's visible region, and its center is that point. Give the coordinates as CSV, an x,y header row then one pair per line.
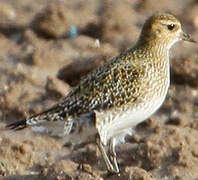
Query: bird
x,y
127,90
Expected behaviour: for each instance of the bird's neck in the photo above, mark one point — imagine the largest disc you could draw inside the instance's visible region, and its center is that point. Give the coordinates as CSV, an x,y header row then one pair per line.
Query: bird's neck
x,y
158,48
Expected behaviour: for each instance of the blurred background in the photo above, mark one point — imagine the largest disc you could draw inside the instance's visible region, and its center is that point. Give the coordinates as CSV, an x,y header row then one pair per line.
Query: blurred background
x,y
46,46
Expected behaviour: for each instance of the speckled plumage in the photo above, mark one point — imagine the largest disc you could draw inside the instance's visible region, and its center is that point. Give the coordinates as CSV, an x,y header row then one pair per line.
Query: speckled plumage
x,y
122,93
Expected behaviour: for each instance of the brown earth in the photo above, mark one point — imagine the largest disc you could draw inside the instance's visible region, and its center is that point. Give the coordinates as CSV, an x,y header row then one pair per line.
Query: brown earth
x,y
39,62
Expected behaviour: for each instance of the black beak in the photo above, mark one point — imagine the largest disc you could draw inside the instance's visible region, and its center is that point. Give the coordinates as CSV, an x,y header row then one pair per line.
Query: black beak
x,y
186,37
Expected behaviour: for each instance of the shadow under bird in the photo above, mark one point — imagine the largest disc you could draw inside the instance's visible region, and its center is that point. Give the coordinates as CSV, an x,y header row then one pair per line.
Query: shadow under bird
x,y
124,92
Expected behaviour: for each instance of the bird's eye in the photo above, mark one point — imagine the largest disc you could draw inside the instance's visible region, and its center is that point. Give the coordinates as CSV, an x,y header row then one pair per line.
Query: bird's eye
x,y
171,27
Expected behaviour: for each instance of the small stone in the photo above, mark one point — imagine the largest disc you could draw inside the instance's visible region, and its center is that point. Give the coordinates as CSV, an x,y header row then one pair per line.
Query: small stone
x,y
134,173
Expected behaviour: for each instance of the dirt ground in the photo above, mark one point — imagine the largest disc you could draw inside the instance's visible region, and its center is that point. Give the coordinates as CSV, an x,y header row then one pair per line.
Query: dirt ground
x,y
46,46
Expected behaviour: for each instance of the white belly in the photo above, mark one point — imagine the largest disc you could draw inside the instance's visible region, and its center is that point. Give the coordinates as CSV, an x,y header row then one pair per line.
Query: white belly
x,y
120,123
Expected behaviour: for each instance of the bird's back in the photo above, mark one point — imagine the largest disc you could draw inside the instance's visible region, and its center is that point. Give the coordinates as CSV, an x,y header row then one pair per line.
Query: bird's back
x,y
127,79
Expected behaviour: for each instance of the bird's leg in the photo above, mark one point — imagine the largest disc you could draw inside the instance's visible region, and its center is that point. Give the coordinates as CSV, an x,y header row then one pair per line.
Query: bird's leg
x,y
113,154
105,156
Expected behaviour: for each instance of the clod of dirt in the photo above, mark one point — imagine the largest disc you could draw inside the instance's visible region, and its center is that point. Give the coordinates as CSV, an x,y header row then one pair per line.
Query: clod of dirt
x,y
48,173
7,14
191,15
54,21
58,18
185,71
115,26
56,87
134,173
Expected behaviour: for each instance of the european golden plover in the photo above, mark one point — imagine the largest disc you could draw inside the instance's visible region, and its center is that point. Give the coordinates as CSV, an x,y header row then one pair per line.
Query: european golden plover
x,y
123,93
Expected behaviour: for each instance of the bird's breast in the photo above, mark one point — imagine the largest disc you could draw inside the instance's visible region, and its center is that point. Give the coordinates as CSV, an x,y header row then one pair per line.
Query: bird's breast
x,y
118,122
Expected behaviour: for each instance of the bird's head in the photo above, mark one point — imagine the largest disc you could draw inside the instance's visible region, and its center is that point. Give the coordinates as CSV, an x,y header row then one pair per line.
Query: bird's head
x,y
163,29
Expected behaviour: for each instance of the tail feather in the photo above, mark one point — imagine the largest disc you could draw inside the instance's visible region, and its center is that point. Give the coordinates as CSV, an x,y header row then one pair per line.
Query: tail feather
x,y
30,121
52,114
19,125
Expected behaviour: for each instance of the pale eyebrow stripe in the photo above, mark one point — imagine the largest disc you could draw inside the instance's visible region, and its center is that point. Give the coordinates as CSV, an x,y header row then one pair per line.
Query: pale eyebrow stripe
x,y
167,22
